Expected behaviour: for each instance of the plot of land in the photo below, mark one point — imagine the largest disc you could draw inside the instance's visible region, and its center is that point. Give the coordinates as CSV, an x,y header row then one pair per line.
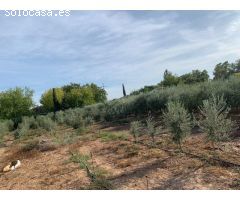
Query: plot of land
x,y
46,161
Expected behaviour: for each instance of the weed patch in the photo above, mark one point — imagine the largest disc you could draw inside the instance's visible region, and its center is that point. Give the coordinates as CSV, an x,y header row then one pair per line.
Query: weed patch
x,y
112,136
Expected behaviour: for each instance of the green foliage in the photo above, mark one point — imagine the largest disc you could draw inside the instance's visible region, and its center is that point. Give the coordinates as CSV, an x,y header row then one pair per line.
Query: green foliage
x,y
15,103
143,90
100,94
151,129
74,95
88,120
223,70
47,98
236,66
21,131
30,122
169,79
135,128
6,126
46,123
97,175
109,136
191,96
74,118
60,117
81,159
100,183
178,121
196,76
214,121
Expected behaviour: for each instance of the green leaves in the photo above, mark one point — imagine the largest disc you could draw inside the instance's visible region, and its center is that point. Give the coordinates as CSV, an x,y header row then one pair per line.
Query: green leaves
x,y
15,103
177,120
151,130
74,95
135,128
213,120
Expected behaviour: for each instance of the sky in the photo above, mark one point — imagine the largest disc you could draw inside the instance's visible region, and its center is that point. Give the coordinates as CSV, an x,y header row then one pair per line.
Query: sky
x,y
113,47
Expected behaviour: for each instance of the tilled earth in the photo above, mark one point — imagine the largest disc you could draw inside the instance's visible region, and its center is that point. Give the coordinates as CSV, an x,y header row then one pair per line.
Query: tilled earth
x,y
128,165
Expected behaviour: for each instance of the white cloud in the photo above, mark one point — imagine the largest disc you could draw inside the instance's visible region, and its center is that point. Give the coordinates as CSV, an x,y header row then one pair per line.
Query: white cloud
x,y
114,47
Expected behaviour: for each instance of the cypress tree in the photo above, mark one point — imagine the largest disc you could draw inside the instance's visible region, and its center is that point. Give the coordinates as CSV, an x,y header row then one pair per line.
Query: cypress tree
x,y
124,91
56,104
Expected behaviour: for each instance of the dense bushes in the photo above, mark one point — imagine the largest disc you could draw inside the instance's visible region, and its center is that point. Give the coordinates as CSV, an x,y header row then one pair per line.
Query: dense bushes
x,y
73,95
5,127
15,103
191,96
214,121
46,123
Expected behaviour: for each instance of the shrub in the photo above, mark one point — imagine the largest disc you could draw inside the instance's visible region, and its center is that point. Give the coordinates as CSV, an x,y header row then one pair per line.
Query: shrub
x,y
108,136
213,120
74,118
96,175
10,125
15,103
3,130
30,122
177,120
6,126
191,96
81,159
88,120
60,117
151,130
135,129
21,131
46,123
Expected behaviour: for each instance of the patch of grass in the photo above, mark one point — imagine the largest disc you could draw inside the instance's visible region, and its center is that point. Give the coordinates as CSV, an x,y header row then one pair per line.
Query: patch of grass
x,y
113,136
64,139
100,172
81,159
81,130
100,184
97,175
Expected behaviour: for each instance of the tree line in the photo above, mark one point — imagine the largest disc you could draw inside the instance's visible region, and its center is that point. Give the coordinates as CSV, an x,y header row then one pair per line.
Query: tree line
x,y
18,102
221,71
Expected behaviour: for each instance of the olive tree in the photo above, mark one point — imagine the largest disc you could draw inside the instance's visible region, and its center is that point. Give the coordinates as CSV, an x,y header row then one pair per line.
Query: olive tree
x,y
135,129
151,129
214,119
178,121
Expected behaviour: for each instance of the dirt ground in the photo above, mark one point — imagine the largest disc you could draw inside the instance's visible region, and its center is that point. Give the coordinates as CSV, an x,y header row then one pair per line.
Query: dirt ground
x,y
128,165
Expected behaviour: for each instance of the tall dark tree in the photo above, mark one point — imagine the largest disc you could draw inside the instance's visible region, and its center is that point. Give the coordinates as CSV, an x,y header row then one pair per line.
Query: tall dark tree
x,y
56,104
124,91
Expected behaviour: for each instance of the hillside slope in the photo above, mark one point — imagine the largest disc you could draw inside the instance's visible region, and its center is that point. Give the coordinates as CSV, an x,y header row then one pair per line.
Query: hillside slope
x,y
47,164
